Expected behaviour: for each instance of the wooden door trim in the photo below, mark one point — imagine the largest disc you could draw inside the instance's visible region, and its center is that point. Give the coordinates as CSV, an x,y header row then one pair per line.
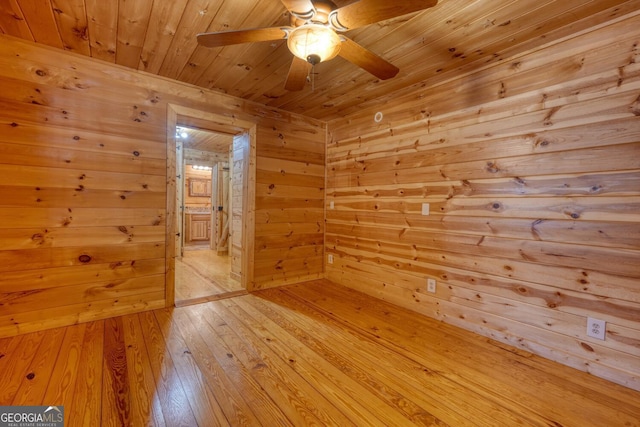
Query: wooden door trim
x,y
217,123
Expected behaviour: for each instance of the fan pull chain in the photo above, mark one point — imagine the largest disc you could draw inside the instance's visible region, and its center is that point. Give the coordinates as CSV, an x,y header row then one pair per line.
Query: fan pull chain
x,y
311,77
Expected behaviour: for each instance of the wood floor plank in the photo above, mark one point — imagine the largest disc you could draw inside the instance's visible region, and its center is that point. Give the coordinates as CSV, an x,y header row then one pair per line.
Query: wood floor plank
x,y
288,390
203,402
174,402
191,285
330,382
38,374
61,388
230,353
145,404
17,353
116,406
236,410
468,397
467,356
397,374
395,379
87,399
8,346
202,274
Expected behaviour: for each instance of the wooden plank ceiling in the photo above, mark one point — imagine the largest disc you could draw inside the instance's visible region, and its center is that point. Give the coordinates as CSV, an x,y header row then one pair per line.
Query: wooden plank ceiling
x,y
438,44
204,140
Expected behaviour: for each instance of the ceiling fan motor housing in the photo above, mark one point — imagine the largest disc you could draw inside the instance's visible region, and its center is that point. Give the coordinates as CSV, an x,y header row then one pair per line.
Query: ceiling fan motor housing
x,y
318,15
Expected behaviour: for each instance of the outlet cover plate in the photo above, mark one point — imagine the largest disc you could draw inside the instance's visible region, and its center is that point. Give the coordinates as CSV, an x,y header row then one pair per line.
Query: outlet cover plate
x,y
596,328
425,209
431,285
330,258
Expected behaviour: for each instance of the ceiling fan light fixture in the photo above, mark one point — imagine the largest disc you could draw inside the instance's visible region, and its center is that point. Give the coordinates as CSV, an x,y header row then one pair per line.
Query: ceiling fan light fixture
x,y
314,43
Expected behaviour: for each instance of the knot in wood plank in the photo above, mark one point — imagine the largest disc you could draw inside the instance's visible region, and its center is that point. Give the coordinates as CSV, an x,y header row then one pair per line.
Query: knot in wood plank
x,y
492,167
635,107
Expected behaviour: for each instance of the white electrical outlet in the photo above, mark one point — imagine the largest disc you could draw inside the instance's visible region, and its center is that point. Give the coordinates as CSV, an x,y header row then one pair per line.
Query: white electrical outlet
x,y
330,259
332,205
431,285
596,328
425,209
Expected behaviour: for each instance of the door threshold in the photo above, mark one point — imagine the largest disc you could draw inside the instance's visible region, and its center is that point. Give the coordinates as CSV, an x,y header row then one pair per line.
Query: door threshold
x,y
216,297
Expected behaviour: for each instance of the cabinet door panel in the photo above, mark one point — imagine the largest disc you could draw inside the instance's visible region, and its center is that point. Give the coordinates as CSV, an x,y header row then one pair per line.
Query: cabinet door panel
x,y
199,227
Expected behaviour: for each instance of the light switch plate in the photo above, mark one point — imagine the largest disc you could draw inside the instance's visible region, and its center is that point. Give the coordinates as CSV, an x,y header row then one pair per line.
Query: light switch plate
x,y
425,209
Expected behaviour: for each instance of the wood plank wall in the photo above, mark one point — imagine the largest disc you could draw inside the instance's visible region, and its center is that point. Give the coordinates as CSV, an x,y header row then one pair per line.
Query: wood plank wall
x,y
290,176
531,169
83,187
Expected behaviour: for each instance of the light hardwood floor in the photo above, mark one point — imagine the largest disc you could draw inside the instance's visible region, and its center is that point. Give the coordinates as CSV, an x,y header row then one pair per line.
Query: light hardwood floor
x,y
202,275
307,354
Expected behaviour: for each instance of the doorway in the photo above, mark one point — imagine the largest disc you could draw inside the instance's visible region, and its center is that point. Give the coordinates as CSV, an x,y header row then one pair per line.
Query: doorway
x,y
210,207
203,268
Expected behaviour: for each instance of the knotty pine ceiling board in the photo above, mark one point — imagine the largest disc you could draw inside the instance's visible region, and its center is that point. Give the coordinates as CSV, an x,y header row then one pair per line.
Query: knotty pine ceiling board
x,y
204,140
450,40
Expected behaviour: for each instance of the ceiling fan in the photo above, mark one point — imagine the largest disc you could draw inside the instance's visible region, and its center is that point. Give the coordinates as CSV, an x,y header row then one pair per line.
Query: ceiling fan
x,y
315,34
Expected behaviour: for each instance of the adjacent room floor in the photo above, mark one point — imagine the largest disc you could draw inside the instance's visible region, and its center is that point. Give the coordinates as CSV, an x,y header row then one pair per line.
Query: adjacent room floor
x,y
307,354
203,275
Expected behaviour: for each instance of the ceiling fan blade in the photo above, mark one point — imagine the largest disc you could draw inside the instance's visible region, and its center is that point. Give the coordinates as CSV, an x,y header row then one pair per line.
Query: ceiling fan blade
x,y
302,9
298,73
367,60
365,12
225,38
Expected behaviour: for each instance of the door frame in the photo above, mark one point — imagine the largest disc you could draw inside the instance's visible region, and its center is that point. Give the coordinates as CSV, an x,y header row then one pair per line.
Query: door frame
x,y
222,124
